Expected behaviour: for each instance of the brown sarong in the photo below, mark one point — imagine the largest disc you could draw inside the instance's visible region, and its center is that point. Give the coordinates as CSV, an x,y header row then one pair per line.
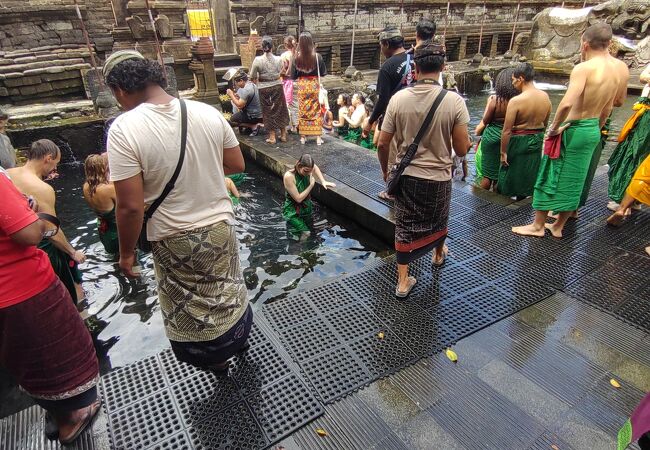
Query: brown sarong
x,y
45,345
274,108
421,215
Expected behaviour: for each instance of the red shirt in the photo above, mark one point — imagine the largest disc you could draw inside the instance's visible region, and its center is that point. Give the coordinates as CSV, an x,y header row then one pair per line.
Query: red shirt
x,y
24,271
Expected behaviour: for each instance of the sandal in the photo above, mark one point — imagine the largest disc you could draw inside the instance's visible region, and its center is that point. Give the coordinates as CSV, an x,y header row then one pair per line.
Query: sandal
x,y
91,413
302,140
411,283
386,196
270,142
445,252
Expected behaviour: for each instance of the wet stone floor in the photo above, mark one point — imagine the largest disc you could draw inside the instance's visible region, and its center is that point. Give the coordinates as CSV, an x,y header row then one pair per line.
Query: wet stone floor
x,y
540,327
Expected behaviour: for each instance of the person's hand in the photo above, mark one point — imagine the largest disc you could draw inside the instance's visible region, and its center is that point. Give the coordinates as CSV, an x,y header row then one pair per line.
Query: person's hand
x,y
126,265
52,175
328,184
366,131
78,256
229,92
478,130
504,159
312,181
555,131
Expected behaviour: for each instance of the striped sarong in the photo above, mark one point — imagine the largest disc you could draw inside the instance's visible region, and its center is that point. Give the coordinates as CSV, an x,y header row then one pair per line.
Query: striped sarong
x,y
421,215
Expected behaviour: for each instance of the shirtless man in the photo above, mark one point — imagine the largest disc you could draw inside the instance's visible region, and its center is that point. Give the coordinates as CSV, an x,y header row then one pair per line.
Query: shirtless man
x,y
522,138
42,159
593,87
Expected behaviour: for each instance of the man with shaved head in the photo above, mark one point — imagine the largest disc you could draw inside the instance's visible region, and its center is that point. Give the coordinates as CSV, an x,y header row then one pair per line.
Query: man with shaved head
x,y
593,89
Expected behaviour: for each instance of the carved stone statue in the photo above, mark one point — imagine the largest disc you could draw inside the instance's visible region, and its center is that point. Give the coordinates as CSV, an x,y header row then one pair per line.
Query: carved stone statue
x,y
257,25
164,27
136,25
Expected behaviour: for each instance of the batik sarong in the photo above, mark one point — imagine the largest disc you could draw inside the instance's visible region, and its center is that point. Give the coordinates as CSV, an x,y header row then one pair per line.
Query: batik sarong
x,y
633,147
560,181
524,155
310,119
421,215
107,230
298,215
491,151
274,108
65,267
46,346
639,187
200,283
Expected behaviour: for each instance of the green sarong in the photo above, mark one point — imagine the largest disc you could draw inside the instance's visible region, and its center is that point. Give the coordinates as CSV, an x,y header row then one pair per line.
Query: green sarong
x,y
298,215
354,134
367,142
478,163
629,154
107,230
560,181
524,155
64,267
237,178
595,159
491,151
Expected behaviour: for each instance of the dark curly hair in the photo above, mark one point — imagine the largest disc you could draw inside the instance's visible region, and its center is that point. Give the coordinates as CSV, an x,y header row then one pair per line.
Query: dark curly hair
x,y
503,86
134,75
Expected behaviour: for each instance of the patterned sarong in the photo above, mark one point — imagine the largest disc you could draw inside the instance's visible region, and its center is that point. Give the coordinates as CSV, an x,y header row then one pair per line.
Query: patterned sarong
x,y
630,151
560,181
274,108
491,151
421,215
200,283
310,120
524,155
46,346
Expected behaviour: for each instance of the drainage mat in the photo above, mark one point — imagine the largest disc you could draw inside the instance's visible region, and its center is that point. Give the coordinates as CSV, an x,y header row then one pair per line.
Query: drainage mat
x,y
161,403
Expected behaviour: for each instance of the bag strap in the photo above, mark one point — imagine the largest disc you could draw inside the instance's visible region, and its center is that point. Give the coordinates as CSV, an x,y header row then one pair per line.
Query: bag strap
x,y
318,69
410,152
170,184
404,78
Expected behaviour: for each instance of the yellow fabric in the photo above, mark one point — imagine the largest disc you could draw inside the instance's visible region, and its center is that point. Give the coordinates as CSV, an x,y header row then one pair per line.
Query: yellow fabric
x,y
639,188
640,109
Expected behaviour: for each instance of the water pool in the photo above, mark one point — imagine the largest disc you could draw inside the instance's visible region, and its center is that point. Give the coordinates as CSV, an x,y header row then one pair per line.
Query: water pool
x,y
123,315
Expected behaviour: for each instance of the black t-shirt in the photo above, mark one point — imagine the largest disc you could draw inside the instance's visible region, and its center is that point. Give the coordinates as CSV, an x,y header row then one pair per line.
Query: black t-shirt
x,y
396,73
295,73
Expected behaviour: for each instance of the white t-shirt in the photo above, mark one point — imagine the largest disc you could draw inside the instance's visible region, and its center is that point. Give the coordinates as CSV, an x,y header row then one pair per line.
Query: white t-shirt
x,y
147,140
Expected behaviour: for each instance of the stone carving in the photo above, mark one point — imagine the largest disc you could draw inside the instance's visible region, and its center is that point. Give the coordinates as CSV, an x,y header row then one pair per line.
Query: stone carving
x,y
136,25
257,25
202,65
164,27
272,23
556,32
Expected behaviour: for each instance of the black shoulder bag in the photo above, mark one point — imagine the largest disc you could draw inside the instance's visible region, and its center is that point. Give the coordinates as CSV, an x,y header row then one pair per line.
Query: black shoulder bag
x,y
143,243
392,181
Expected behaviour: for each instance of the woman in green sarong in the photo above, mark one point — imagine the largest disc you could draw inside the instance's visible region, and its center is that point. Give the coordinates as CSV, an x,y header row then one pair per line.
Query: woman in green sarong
x,y
632,149
100,196
369,141
356,118
517,179
491,126
298,184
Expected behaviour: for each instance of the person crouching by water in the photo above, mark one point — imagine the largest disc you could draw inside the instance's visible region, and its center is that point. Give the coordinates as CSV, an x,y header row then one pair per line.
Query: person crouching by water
x,y
44,343
491,126
246,103
423,195
298,184
201,287
99,193
265,72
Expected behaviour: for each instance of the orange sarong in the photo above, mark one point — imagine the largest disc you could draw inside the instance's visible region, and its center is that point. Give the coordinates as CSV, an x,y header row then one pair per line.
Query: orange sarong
x,y
639,187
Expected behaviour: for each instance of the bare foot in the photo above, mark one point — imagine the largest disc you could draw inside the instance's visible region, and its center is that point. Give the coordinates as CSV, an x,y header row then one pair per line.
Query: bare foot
x,y
439,260
647,250
574,215
553,229
616,219
529,230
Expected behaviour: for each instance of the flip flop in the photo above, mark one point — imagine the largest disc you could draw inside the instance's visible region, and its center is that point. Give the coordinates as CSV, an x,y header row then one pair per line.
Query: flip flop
x,y
270,142
445,252
616,220
412,281
92,411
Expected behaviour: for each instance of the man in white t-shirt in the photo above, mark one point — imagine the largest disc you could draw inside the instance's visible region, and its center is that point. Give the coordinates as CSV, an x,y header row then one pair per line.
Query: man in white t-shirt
x,y
201,289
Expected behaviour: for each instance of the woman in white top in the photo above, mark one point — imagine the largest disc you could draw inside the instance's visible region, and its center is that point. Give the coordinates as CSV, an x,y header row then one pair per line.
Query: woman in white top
x,y
265,72
355,120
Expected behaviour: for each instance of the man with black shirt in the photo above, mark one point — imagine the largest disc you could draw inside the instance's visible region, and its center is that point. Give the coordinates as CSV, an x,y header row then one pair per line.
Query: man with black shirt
x,y
395,74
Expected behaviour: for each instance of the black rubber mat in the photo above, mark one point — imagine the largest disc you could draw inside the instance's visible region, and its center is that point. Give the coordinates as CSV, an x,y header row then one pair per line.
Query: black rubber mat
x,y
162,403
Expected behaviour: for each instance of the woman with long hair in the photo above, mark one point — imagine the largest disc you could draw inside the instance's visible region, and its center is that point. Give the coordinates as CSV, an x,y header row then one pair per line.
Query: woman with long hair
x,y
265,72
307,68
491,126
344,102
298,184
356,118
287,82
100,196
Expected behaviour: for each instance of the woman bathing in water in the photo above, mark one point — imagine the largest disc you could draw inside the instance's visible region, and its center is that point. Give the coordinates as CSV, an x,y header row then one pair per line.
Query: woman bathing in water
x,y
298,184
100,196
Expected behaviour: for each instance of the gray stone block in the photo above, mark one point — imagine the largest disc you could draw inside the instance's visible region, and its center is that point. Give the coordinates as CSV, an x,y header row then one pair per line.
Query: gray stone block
x,y
23,81
25,60
10,75
4,92
30,72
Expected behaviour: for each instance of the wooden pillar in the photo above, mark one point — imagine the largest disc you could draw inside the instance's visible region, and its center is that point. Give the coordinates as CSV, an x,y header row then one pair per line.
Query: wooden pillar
x,y
223,25
493,46
462,47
